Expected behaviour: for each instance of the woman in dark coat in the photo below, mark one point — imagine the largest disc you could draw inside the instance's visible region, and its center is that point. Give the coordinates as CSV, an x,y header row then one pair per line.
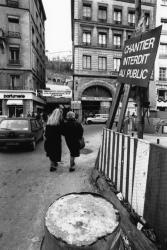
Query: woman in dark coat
x,y
73,132
52,144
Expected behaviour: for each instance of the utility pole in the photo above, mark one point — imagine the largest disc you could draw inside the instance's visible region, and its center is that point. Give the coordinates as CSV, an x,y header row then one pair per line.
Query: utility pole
x,y
139,90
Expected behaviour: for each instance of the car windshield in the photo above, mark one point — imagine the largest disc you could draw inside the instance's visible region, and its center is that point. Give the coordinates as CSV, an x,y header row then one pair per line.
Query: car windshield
x,y
14,125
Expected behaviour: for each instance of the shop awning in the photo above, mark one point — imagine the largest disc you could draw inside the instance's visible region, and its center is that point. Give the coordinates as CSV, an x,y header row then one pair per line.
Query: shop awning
x,y
60,100
15,102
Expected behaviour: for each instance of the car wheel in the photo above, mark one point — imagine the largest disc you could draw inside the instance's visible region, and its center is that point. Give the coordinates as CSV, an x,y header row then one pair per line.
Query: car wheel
x,y
33,145
89,122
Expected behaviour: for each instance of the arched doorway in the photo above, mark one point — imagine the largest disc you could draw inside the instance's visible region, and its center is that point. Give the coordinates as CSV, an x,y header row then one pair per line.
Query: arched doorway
x,y
96,100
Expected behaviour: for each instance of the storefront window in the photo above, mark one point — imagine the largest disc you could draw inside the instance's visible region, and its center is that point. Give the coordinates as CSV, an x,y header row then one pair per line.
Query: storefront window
x,y
15,111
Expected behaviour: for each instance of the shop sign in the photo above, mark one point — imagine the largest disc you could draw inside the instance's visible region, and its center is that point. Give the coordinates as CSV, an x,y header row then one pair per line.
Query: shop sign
x,y
57,93
14,96
138,58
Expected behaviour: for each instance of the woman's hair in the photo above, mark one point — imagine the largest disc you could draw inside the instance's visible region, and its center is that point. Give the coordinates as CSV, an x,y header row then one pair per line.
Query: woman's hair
x,y
70,115
54,118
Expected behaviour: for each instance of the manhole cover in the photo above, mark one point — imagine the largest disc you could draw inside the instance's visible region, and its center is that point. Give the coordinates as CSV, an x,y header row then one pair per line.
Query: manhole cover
x,y
86,151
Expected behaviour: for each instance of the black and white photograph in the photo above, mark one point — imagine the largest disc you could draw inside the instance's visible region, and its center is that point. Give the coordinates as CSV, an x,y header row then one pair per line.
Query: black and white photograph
x,y
83,124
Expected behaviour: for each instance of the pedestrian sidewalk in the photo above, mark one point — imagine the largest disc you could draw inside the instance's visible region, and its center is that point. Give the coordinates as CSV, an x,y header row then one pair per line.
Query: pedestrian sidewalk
x,y
63,182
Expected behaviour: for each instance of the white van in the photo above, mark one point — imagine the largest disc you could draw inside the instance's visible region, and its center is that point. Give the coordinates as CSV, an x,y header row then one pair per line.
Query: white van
x,y
97,118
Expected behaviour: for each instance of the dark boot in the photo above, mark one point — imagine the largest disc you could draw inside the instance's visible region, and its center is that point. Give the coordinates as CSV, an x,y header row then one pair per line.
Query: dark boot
x,y
72,164
53,166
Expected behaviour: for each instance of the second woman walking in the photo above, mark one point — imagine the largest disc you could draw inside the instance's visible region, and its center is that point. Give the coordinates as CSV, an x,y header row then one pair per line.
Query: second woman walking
x,y
73,132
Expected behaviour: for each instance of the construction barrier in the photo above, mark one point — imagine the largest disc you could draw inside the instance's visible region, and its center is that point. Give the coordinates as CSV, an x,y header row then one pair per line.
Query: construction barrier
x,y
124,160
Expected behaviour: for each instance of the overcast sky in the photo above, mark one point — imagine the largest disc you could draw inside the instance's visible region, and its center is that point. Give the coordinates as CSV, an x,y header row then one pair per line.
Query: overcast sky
x,y
57,27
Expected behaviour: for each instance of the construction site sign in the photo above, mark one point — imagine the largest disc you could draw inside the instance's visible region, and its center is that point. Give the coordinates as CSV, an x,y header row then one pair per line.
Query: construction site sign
x,y
138,58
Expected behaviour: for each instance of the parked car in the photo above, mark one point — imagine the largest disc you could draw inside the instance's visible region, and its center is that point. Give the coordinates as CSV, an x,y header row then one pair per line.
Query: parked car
x,y
2,117
20,132
97,118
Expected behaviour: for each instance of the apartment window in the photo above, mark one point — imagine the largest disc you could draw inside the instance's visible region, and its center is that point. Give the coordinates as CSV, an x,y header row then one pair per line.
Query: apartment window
x,y
164,2
14,54
102,39
14,81
147,16
86,38
117,62
117,16
87,11
162,74
13,26
102,63
161,94
131,18
164,24
86,62
129,35
102,13
117,41
163,49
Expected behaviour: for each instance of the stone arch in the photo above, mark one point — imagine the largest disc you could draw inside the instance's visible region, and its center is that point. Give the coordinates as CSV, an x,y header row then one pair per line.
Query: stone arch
x,y
110,87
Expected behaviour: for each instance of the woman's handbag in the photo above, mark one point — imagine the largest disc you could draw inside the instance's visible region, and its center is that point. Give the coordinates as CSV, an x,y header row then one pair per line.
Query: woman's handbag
x,y
81,143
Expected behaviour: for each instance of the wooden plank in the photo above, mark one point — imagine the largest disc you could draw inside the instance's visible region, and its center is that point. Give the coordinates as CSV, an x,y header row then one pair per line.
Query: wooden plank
x,y
115,105
140,181
124,106
108,153
112,155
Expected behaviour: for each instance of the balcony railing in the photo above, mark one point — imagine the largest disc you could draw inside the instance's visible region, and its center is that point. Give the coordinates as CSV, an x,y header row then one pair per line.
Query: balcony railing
x,y
161,99
117,46
102,20
164,79
114,73
14,34
88,18
148,1
12,3
16,88
86,43
103,45
14,62
131,24
117,22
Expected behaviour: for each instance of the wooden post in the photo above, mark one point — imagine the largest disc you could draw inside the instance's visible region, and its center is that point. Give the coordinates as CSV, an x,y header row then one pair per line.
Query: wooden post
x,y
124,106
82,221
115,105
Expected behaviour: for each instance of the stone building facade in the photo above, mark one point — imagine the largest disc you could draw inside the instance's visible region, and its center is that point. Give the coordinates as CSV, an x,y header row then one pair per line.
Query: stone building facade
x,y
99,29
22,56
161,60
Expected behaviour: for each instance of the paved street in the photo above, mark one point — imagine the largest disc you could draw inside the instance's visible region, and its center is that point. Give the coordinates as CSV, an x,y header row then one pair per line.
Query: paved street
x,y
27,188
